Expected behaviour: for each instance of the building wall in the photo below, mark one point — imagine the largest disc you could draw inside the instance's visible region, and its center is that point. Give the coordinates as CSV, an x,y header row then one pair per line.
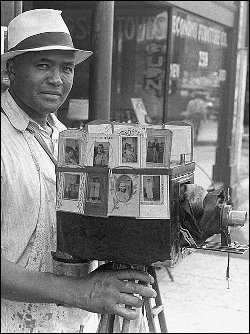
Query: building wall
x,y
222,12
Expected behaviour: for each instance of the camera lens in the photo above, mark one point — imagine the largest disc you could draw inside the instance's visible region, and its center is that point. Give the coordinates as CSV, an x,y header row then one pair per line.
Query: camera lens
x,y
237,218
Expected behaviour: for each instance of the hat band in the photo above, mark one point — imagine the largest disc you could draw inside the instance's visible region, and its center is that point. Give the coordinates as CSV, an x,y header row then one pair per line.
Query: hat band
x,y
43,40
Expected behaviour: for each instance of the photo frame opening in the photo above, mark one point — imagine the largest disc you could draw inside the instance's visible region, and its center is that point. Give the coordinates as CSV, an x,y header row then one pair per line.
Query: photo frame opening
x,y
129,149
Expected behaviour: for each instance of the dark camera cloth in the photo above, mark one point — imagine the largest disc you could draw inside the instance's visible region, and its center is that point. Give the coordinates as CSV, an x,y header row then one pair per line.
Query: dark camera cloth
x,y
129,240
208,225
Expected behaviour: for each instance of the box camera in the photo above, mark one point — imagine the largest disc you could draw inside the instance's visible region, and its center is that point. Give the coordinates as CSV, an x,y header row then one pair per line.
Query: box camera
x,y
122,195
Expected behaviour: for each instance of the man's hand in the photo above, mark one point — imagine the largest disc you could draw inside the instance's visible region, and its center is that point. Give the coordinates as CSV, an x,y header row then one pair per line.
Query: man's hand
x,y
108,291
101,291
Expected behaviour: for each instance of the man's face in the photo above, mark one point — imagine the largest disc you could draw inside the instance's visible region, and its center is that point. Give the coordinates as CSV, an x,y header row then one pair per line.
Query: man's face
x,y
43,80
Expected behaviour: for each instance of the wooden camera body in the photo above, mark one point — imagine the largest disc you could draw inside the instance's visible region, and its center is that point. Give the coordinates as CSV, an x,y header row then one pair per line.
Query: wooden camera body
x,y
118,199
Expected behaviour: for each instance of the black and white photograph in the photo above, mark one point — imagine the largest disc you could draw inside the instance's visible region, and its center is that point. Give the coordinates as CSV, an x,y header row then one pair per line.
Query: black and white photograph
x,y
70,196
101,154
71,186
124,188
71,150
156,150
94,190
125,163
129,150
152,188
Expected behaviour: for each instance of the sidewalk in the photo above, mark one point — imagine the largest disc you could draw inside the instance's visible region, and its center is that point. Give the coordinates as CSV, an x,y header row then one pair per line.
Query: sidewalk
x,y
198,301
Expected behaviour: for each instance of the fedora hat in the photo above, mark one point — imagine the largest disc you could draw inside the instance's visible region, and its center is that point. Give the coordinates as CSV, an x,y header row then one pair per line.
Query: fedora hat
x,y
39,30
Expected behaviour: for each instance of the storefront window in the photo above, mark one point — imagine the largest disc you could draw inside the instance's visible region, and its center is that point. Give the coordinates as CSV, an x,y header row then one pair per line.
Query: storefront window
x,y
197,73
79,24
74,112
139,61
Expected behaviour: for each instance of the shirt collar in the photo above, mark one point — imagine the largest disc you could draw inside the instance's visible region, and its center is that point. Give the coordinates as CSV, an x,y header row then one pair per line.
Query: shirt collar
x,y
19,119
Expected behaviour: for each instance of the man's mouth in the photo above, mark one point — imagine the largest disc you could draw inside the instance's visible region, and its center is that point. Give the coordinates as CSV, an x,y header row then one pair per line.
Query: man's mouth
x,y
52,93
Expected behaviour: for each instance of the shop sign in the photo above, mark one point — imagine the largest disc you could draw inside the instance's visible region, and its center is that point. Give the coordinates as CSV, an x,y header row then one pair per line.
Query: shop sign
x,y
143,27
190,28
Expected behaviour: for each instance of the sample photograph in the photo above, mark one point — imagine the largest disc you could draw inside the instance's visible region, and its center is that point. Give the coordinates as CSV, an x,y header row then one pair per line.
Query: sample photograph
x,y
129,149
94,189
101,154
151,188
71,150
155,150
71,186
124,188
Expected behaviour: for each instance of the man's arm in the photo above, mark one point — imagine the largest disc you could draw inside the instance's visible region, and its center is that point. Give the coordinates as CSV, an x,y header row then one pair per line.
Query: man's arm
x,y
101,291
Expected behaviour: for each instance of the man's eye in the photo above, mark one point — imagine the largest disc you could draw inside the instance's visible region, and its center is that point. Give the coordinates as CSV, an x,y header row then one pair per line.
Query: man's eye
x,y
68,69
43,66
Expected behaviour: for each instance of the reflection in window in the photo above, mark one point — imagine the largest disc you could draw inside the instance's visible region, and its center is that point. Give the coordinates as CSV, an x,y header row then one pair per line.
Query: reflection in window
x,y
79,24
197,73
139,53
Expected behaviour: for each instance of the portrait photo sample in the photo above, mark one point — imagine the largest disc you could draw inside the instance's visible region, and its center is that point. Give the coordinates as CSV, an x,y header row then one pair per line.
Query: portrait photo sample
x,y
71,149
129,149
151,188
101,154
156,147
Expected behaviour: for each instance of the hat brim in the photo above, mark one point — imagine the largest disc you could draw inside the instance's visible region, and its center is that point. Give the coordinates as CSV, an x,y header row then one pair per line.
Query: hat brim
x,y
80,55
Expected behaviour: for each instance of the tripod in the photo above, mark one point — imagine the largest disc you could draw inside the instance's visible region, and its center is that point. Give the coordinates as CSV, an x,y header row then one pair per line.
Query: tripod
x,y
106,324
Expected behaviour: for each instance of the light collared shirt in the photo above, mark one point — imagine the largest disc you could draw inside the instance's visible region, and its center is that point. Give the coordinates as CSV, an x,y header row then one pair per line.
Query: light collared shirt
x,y
21,157
28,220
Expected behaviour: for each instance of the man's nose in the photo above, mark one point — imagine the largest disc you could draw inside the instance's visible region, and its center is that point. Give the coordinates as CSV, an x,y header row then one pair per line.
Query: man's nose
x,y
55,77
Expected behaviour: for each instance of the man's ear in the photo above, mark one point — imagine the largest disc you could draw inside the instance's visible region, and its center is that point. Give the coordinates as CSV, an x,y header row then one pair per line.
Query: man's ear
x,y
11,69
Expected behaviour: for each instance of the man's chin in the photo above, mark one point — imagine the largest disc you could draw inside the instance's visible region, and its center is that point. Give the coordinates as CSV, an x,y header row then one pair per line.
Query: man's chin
x,y
48,108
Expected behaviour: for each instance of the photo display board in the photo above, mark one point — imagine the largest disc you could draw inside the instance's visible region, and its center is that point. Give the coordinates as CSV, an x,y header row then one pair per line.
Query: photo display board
x,y
115,169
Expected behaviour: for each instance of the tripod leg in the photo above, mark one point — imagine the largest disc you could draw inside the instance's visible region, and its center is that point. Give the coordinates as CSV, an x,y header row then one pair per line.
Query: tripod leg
x,y
161,315
125,326
106,323
111,318
102,328
169,273
150,317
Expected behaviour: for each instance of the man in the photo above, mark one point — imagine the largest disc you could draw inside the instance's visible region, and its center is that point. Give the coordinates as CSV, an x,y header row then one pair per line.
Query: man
x,y
196,112
40,64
